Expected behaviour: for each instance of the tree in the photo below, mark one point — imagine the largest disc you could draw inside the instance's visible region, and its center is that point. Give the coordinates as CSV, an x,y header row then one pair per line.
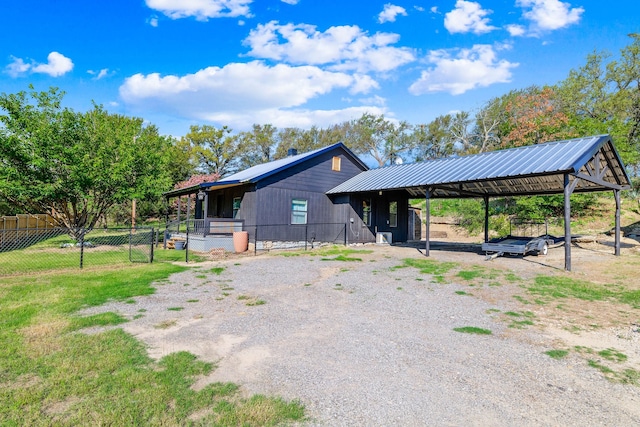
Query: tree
x,y
256,146
72,165
488,119
383,139
534,115
603,96
182,162
434,140
215,149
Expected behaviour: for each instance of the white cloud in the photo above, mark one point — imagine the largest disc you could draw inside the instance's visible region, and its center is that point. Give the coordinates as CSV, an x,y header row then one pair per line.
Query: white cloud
x,y
17,67
56,66
153,21
293,2
99,74
340,48
468,16
547,15
434,9
467,70
363,84
253,92
390,12
202,10
515,30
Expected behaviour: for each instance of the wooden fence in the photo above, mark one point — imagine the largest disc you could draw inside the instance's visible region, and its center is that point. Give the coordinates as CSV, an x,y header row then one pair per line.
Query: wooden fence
x,y
14,229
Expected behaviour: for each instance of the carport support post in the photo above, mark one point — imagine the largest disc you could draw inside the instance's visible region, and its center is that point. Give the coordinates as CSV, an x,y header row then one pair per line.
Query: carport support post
x,y
427,195
486,219
616,193
567,223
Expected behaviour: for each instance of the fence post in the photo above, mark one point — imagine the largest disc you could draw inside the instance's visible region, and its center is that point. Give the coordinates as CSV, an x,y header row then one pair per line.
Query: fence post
x,y
186,244
81,249
345,234
153,235
130,242
306,236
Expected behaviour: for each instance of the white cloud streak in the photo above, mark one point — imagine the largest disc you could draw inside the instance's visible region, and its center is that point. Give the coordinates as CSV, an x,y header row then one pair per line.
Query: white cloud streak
x,y
202,10
340,48
17,67
458,71
390,13
468,17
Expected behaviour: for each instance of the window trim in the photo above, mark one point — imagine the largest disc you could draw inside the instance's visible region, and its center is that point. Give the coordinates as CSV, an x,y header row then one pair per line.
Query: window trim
x,y
296,212
393,214
366,213
336,163
236,209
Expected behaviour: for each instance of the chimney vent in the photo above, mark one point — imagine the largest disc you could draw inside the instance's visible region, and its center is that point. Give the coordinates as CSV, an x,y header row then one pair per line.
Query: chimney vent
x,y
292,152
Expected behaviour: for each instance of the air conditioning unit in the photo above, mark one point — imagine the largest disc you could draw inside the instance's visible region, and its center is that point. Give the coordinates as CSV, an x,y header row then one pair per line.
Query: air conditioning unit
x,y
384,238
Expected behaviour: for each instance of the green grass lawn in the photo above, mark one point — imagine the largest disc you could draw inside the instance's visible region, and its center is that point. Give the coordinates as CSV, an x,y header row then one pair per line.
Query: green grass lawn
x,y
53,374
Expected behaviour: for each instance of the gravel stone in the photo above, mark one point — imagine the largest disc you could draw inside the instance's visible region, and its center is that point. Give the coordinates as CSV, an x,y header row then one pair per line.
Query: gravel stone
x,y
368,344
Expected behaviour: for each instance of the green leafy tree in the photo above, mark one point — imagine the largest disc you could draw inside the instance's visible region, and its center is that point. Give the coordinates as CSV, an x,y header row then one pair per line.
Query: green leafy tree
x,y
308,140
434,140
73,165
216,150
256,146
603,96
382,139
182,160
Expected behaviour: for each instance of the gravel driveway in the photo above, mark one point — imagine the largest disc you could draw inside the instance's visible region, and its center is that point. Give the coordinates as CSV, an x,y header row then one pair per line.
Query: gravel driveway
x,y
367,344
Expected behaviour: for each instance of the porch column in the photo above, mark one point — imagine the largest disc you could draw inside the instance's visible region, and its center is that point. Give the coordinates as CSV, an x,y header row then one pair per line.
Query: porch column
x,y
616,193
205,213
188,211
567,223
179,209
427,195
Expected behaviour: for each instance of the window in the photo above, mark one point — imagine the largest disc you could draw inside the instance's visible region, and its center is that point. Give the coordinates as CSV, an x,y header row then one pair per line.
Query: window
x,y
366,211
236,206
298,211
393,214
335,164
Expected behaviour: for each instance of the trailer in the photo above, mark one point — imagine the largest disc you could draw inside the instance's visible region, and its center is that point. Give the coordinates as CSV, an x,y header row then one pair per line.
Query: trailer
x,y
521,244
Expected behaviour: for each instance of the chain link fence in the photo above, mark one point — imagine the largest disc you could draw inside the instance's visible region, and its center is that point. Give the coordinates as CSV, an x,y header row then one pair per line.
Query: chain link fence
x,y
24,251
198,242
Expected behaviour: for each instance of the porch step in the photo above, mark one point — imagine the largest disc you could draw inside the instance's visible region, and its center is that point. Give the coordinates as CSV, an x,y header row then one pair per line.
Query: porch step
x,y
171,243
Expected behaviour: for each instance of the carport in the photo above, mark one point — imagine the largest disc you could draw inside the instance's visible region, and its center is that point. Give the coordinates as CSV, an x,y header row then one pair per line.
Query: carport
x,y
561,167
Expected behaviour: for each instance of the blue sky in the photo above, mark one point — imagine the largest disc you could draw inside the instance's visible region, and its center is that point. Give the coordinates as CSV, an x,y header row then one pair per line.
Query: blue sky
x,y
298,63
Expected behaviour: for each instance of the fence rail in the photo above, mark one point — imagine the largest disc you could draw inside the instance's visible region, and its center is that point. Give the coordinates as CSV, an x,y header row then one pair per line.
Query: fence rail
x,y
28,250
219,238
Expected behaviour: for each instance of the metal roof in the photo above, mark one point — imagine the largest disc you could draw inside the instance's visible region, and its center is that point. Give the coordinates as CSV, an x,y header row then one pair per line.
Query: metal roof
x,y
261,171
535,169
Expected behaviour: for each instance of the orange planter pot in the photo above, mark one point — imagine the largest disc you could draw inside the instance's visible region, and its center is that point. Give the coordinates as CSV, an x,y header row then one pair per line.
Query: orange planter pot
x,y
240,241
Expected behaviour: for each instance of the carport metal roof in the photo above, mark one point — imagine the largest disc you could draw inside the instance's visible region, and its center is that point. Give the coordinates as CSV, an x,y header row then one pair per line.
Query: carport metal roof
x,y
535,169
582,164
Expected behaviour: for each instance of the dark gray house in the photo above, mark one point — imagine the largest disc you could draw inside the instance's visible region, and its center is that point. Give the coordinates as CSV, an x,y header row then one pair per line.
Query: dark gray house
x,y
286,200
